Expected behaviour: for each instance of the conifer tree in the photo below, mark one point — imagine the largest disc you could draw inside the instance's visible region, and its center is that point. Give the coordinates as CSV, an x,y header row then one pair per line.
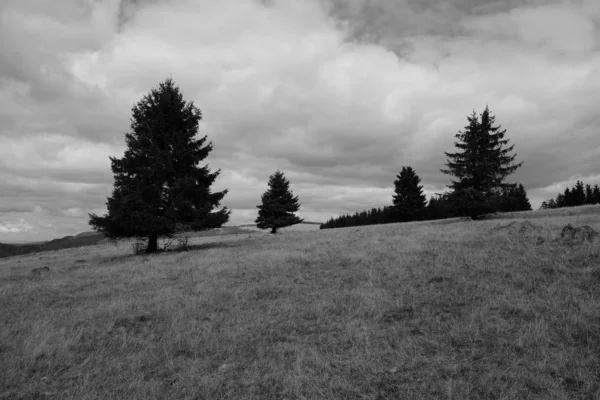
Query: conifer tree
x,y
548,204
567,200
278,205
484,158
159,187
520,198
589,194
408,199
578,194
596,194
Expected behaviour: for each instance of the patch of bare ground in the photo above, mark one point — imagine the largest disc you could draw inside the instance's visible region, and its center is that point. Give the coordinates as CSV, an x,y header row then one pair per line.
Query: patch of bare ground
x,y
462,310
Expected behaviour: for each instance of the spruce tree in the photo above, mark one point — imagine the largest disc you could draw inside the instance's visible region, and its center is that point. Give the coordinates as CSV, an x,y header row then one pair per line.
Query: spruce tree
x,y
408,199
521,200
596,194
278,205
159,188
548,204
484,159
567,198
514,198
578,194
589,194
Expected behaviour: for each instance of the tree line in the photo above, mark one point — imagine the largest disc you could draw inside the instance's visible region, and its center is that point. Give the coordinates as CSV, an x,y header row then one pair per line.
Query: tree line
x,y
578,195
160,190
478,171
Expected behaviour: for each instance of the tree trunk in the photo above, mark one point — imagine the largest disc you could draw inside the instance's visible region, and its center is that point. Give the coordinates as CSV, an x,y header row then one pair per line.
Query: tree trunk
x,y
152,243
274,229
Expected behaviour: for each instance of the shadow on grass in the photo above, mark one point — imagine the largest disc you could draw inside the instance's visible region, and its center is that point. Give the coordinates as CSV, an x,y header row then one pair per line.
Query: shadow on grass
x,y
174,250
208,246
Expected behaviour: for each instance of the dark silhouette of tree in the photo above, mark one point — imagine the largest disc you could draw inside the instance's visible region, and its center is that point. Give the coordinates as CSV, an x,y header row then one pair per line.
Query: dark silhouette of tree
x,y
361,218
408,199
470,202
514,198
596,194
548,204
159,188
589,194
278,205
566,200
578,194
439,207
484,159
523,203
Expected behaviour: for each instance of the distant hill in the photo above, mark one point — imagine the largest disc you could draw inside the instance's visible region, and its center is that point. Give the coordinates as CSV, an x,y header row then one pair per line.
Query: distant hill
x,y
87,239
92,238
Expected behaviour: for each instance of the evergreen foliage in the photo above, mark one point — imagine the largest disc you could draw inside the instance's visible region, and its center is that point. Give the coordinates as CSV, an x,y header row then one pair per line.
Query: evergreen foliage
x,y
514,198
408,199
578,195
278,205
596,195
549,204
159,189
480,167
483,160
589,194
361,218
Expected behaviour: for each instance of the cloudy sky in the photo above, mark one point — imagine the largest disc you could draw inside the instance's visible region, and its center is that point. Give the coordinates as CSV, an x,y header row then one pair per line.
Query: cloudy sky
x,y
339,94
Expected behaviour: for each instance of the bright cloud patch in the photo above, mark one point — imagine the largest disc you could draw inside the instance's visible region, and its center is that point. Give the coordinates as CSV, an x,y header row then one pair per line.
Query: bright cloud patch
x,y
18,227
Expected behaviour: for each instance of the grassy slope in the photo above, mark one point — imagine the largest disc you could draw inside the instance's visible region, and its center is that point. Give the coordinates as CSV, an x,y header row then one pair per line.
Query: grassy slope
x,y
92,238
9,250
411,311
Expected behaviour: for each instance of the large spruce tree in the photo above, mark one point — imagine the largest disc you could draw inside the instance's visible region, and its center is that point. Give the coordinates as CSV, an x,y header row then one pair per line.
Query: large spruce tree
x,y
480,167
159,187
278,205
484,158
408,199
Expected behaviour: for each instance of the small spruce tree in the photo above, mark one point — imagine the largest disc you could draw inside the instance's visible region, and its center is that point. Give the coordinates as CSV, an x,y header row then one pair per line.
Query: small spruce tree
x,y
159,188
578,194
596,194
589,194
408,199
278,205
521,200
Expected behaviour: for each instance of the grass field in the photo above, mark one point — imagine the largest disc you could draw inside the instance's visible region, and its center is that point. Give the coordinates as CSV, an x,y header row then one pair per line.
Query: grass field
x,y
455,310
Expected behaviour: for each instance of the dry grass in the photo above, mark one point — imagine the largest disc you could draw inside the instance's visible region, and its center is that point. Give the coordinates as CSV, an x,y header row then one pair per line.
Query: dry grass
x,y
412,311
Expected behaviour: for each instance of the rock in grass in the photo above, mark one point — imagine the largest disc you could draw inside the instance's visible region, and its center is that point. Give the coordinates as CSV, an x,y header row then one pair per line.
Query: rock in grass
x,y
580,234
39,271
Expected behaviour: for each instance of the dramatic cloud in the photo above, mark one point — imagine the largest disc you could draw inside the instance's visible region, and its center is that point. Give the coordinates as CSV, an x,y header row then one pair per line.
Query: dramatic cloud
x,y
339,94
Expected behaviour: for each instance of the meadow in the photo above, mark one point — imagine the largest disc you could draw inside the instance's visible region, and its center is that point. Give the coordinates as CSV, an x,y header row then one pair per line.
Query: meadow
x,y
495,309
